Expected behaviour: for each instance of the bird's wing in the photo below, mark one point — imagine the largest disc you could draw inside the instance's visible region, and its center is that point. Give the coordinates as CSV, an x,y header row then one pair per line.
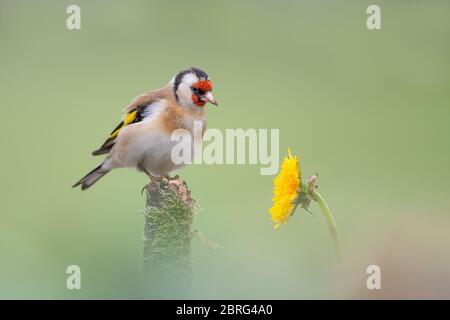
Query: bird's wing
x,y
137,114
149,97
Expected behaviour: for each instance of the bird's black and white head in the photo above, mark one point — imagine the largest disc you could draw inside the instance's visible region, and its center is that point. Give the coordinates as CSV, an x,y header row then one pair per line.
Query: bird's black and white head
x,y
192,88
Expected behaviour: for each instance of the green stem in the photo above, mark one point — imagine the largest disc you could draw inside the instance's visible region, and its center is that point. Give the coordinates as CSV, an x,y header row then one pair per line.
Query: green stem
x,y
330,221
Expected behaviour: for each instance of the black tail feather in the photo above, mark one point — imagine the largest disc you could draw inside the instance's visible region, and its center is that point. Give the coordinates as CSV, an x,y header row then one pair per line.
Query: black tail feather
x,y
91,178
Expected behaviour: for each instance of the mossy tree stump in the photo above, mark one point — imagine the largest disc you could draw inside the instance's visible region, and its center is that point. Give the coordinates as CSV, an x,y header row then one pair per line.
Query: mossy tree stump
x,y
169,215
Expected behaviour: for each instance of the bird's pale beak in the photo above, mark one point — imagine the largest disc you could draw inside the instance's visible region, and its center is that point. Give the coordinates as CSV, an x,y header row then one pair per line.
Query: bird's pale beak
x,y
208,97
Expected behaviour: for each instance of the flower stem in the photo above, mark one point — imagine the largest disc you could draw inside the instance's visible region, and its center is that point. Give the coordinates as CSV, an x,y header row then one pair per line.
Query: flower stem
x,y
330,221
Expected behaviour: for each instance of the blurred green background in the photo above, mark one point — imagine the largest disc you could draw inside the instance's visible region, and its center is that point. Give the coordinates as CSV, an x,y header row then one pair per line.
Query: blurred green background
x,y
368,110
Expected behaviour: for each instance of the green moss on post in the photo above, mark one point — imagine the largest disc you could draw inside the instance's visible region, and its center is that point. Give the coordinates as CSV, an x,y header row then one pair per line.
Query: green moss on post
x,y
169,215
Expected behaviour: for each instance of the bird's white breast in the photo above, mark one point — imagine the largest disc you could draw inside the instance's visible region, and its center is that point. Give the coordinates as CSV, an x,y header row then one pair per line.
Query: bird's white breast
x,y
147,144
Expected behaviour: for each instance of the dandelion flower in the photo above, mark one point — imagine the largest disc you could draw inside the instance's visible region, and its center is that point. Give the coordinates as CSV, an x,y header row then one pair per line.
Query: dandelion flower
x,y
289,192
286,190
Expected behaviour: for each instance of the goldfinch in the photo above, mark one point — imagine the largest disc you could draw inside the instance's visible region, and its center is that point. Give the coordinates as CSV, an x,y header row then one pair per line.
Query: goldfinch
x,y
142,140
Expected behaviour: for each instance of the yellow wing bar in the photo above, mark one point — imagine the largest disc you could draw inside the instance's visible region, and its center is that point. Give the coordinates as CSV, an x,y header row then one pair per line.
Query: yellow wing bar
x,y
129,118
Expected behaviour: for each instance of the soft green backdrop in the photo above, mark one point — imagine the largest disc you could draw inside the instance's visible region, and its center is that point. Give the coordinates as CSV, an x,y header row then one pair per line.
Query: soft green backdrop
x,y
368,110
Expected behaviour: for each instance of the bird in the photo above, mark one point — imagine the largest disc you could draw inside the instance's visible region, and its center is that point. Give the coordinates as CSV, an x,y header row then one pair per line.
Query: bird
x,y
142,140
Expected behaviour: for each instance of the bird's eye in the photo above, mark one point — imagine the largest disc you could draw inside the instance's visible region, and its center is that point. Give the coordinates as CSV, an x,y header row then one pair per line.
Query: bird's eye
x,y
198,91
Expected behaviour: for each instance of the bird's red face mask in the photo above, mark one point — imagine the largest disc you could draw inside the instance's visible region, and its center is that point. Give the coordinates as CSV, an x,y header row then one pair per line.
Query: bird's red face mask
x,y
202,93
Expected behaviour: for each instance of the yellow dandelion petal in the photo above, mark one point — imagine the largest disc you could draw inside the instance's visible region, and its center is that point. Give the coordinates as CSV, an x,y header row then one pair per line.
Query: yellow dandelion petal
x,y
286,190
